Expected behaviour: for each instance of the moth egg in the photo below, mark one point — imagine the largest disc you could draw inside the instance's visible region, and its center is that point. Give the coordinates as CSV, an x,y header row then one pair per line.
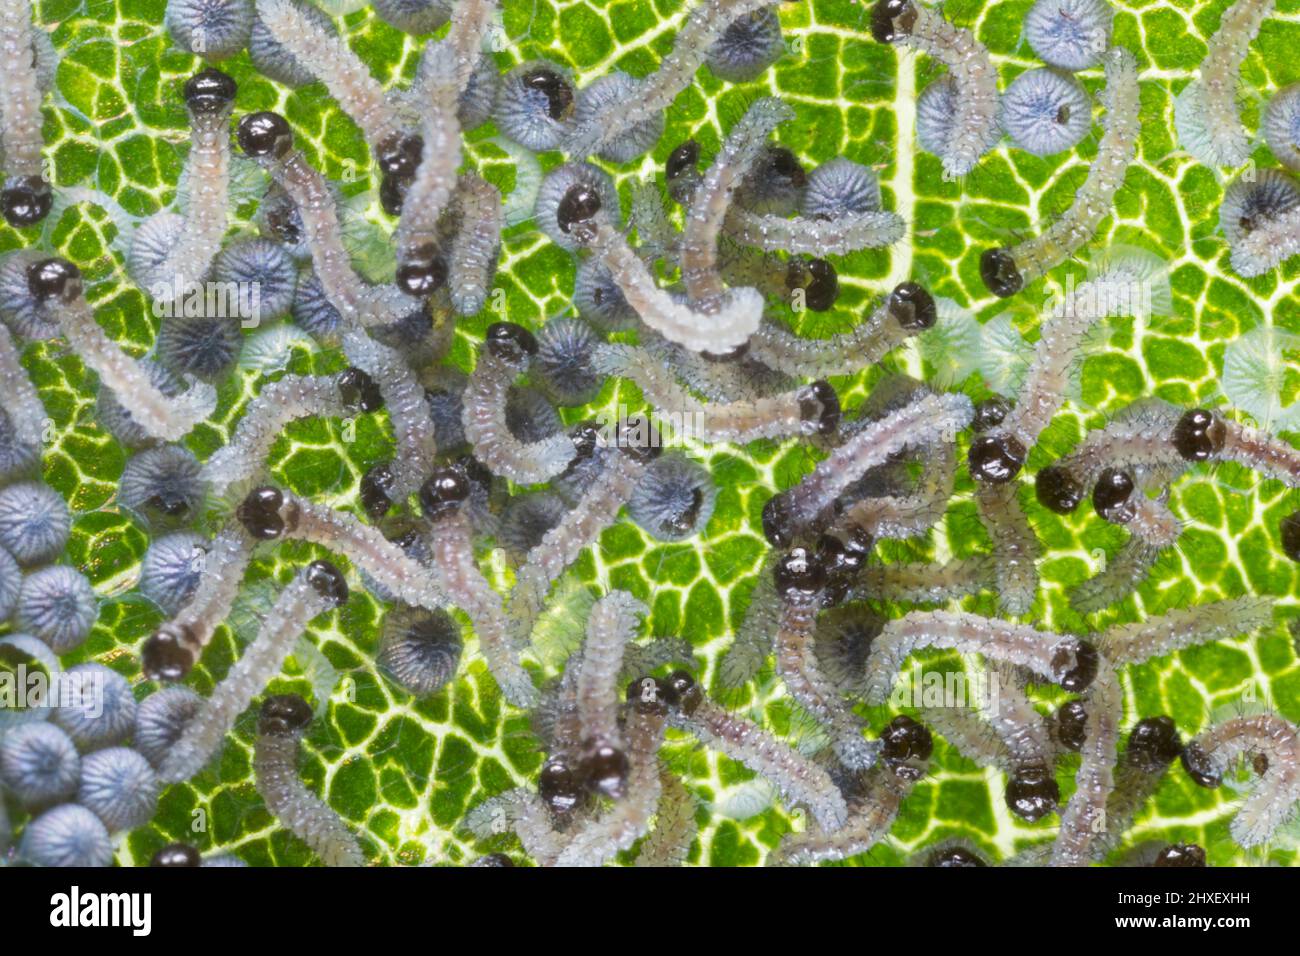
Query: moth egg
x,y
39,764
420,650
841,187
100,711
207,348
1069,34
262,268
536,105
34,522
163,485
68,835
557,185
1281,126
58,605
119,787
1046,112
1252,200
747,47
414,16
171,569
212,29
160,719
599,300
563,363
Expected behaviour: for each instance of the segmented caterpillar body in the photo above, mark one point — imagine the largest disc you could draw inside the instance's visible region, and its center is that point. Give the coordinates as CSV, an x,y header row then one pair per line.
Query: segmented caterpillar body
x,y
25,198
1006,271
26,414
1117,579
1220,74
1273,744
472,261
1015,546
613,623
669,843
1083,820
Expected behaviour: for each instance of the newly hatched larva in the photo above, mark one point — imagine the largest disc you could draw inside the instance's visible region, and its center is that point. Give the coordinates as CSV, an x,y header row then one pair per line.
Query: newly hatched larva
x,y
280,726
951,854
505,354
612,624
801,781
163,485
167,418
1153,744
458,574
1281,126
906,749
812,236
535,105
209,100
618,828
914,511
527,814
618,87
176,646
1184,627
1069,34
59,605
1267,241
998,455
807,410
118,786
1016,548
1032,792
1117,579
975,94
26,198
557,195
34,522
669,843
472,260
801,581
756,635
212,29
711,200
273,60
1045,112
1271,744
749,45
280,402
316,589
268,513
1084,819
332,61
705,24
1203,435
927,582
930,419
1007,270
907,311
1118,499
1058,658
420,650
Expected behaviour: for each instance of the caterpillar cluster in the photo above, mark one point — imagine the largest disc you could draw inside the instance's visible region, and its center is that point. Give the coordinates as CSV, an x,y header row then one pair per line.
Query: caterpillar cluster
x,y
502,476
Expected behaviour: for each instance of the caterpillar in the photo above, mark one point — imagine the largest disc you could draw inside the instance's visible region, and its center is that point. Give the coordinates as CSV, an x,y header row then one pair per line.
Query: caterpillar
x,y
1215,99
1015,546
1007,270
669,843
1082,822
1184,627
280,726
975,93
1118,500
1118,578
317,588
1153,744
25,198
22,406
613,622
472,261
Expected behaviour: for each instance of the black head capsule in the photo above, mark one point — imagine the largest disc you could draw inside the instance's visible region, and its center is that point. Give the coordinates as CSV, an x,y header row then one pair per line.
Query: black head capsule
x,y
1000,273
1057,490
989,414
399,155
176,855
1199,435
799,576
328,581
819,403
649,695
905,742
444,491
1032,793
1153,744
358,390
579,204
818,280
559,785
604,769
1070,725
25,201
638,439
684,158
892,20
779,520
283,714
1180,855
166,656
996,458
377,490
585,437
682,692
264,134
556,89
510,342
1112,496
1200,767
1081,675
912,307
423,274
392,193
209,91
54,280
259,513
954,857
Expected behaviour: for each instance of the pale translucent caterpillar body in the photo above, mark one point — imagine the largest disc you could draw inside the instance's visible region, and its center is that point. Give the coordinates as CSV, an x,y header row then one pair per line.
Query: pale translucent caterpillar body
x,y
1015,546
618,828
1267,454
20,94
799,780
1058,658
280,402
669,843
275,766
178,644
913,514
975,116
704,24
560,547
812,236
1150,519
1017,723
1083,820
472,262
22,405
757,633
208,170
164,417
269,513
728,328
925,582
656,237
332,61
1227,142
1117,579
1007,271
614,621
712,198
807,410
868,822
483,417
1273,744
931,418
463,582
522,811
302,600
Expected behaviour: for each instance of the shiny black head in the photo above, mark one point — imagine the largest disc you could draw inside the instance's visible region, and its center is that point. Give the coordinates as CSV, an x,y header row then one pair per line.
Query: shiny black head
x,y
912,307
1070,724
1058,490
283,714
650,695
779,525
586,438
166,656
604,769
359,391
579,204
906,746
638,439
328,581
209,91
1000,273
682,159
510,342
259,513
953,857
1180,855
1200,767
1081,675
818,403
176,855
559,785
377,486
990,413
422,274
1032,793
799,576
892,20
444,491
54,280
264,134
25,201
683,692
996,458
1153,744
1112,496
399,155
557,90
818,280
392,193
1199,435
